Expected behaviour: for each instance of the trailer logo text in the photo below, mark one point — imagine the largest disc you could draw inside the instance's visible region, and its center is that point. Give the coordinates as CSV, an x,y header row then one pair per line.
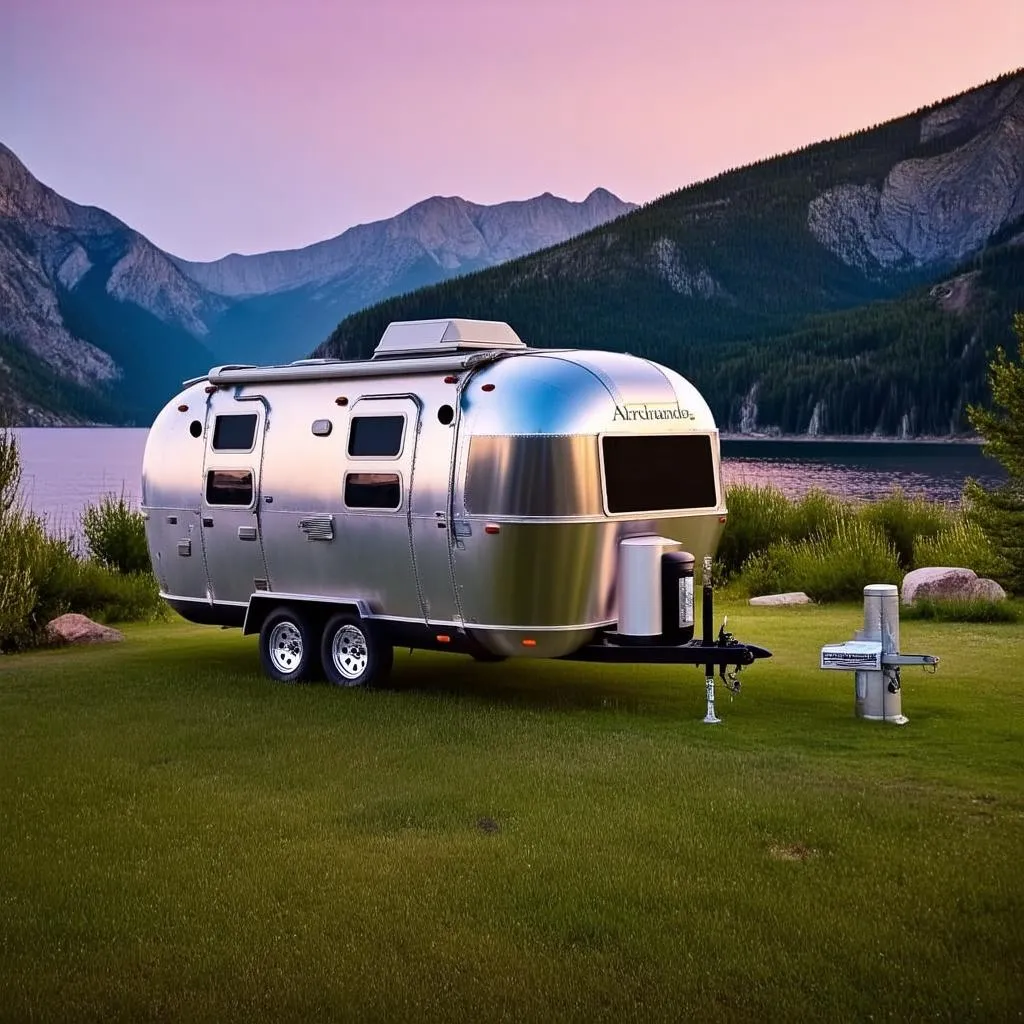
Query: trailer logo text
x,y
651,412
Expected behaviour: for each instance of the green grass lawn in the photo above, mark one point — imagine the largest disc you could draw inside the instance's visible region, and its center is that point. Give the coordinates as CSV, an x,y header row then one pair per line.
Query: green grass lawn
x,y
180,838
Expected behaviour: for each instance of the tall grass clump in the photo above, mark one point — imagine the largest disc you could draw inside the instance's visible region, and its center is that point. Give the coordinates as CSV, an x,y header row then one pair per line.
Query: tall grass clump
x,y
758,516
972,609
116,535
818,514
834,565
964,543
907,522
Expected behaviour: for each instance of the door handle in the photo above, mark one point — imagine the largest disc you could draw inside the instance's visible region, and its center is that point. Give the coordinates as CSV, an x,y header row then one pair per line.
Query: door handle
x,y
247,533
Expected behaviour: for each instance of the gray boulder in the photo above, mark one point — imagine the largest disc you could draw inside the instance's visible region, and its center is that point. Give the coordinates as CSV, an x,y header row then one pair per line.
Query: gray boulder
x,y
794,597
988,590
80,629
942,583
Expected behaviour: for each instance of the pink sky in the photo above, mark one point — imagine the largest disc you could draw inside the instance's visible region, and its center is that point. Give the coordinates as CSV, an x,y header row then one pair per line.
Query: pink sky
x,y
245,125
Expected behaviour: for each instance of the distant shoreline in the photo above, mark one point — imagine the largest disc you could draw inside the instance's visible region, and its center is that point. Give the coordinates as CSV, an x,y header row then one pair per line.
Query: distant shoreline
x,y
849,439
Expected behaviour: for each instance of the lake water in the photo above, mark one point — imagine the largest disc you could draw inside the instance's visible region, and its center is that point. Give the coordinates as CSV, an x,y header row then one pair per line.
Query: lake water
x,y
65,468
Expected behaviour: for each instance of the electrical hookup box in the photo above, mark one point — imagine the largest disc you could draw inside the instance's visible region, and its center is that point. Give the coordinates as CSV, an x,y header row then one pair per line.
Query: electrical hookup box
x,y
854,655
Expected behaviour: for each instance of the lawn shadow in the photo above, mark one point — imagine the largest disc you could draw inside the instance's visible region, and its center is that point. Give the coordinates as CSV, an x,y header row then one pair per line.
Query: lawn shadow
x,y
549,684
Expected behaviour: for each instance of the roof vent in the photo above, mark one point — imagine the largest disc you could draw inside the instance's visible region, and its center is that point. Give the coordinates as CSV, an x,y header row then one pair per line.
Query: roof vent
x,y
437,337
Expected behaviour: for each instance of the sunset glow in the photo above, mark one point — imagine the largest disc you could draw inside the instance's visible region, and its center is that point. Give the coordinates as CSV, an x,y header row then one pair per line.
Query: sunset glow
x,y
240,125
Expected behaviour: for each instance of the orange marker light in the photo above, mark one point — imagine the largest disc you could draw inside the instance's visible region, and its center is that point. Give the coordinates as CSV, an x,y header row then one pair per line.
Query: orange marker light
x,y
721,519
443,639
529,642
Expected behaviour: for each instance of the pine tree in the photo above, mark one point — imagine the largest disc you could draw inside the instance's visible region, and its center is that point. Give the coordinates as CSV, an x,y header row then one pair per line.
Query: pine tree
x,y
1001,512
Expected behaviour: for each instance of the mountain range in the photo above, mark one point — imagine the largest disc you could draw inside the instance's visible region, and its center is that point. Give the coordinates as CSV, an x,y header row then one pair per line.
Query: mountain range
x,y
97,324
857,286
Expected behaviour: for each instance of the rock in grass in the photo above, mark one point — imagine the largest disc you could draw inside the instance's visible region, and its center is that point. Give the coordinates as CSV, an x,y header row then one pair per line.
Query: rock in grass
x,y
940,583
793,597
987,590
80,629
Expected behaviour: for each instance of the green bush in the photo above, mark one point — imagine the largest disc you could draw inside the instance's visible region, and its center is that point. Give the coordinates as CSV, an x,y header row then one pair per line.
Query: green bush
x,y
835,565
758,516
41,575
110,596
817,514
907,521
116,534
962,610
964,544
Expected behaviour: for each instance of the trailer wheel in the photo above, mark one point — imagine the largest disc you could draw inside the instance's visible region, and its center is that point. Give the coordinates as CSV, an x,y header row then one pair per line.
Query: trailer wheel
x,y
286,646
353,652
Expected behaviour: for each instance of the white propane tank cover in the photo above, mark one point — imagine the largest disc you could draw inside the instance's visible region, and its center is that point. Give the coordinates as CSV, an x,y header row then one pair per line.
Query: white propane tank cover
x,y
639,579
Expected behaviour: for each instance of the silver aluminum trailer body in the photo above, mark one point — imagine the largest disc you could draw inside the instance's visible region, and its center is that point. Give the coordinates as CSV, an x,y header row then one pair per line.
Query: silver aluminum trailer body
x,y
458,490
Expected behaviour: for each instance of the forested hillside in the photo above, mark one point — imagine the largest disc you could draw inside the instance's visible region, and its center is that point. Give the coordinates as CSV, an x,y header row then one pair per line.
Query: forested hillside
x,y
800,283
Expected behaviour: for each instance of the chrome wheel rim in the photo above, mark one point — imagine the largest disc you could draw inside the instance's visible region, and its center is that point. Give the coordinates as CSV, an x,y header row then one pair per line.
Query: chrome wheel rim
x,y
349,653
285,647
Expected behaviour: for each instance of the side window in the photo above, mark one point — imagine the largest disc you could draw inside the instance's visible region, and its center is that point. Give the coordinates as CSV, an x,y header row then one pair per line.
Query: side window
x,y
229,487
376,436
373,490
234,433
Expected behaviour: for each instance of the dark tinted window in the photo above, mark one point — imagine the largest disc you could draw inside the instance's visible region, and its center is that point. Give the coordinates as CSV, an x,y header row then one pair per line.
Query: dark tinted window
x,y
648,474
229,487
234,433
379,436
373,490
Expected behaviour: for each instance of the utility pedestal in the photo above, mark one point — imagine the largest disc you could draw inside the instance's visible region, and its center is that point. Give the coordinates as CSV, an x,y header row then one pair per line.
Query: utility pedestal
x,y
874,657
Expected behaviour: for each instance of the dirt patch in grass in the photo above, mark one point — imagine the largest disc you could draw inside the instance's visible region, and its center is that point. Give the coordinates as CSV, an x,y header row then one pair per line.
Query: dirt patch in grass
x,y
791,852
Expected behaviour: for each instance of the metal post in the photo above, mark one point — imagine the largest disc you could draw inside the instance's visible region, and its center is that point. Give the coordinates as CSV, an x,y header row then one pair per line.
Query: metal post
x,y
707,637
709,684
877,696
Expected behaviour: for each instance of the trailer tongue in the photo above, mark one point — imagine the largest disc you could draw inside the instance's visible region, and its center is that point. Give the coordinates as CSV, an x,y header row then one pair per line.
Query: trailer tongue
x,y
724,652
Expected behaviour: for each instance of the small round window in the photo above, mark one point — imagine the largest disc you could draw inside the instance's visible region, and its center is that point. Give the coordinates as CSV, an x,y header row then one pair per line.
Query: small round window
x,y
445,414
195,428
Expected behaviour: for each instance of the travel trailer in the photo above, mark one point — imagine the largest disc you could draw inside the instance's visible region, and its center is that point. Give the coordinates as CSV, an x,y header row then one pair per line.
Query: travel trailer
x,y
458,491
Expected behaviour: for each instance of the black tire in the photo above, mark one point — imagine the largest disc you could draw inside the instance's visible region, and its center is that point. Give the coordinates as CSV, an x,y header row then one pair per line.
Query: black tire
x,y
287,651
353,653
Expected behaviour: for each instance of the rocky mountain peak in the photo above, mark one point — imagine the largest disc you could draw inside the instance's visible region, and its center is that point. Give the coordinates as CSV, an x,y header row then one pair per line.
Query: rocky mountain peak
x,y
24,197
448,232
936,209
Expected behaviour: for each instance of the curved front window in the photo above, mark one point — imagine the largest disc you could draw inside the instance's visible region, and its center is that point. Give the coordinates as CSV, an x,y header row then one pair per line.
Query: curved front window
x,y
545,477
658,473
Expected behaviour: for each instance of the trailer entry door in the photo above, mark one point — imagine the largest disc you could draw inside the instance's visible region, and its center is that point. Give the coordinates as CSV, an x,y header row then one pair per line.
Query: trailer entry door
x,y
230,500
